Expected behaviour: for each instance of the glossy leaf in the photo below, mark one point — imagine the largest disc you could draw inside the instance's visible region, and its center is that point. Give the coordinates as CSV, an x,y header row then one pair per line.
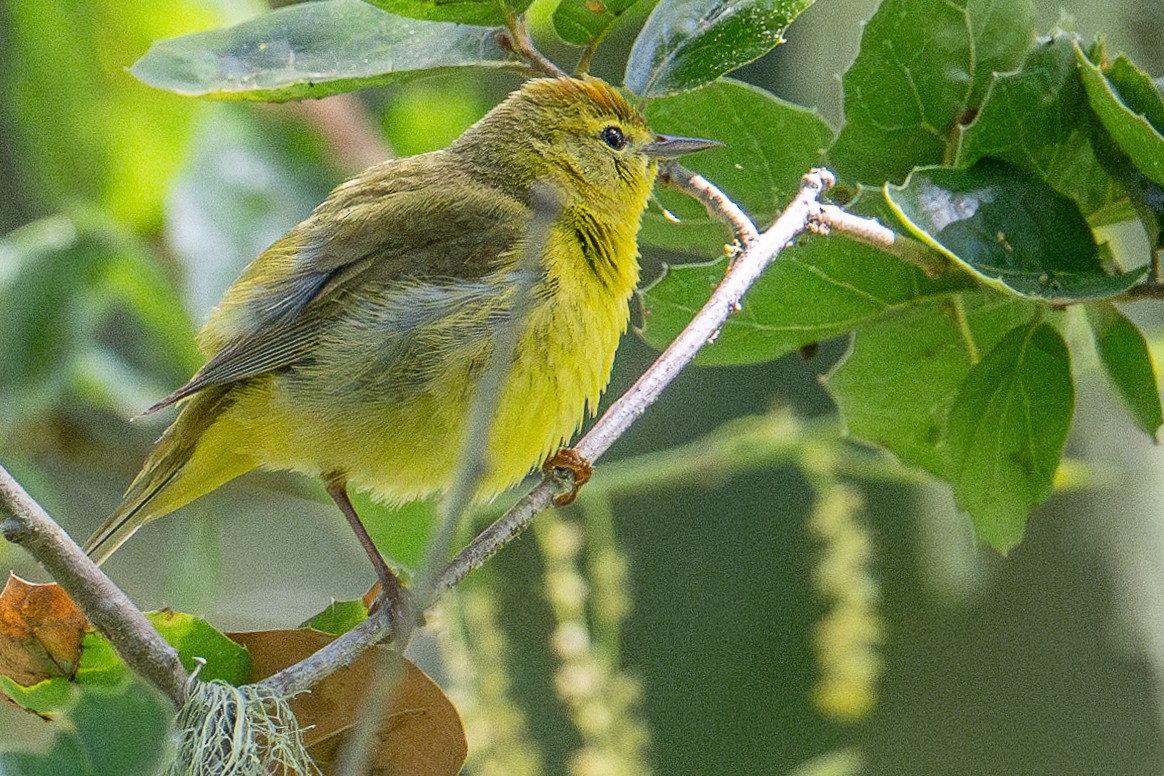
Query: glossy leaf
x,y
688,43
1129,127
486,12
1007,429
585,21
924,66
1125,356
814,291
1037,118
902,373
312,50
1009,229
1139,92
768,144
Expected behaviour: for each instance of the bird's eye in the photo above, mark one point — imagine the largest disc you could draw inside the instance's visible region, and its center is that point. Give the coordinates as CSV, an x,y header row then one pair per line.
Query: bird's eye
x,y
613,137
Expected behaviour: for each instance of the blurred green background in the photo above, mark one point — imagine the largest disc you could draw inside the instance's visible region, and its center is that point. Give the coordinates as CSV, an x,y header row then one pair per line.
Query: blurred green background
x,y
128,211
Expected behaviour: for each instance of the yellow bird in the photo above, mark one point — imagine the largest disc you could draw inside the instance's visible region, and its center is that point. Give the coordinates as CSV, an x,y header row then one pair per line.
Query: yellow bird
x,y
349,350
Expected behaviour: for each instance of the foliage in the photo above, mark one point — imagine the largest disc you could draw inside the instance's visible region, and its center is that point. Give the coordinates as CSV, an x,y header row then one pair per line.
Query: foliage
x,y
1006,155
1006,174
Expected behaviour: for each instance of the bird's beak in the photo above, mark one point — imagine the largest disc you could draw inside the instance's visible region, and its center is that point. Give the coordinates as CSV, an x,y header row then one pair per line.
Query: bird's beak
x,y
666,146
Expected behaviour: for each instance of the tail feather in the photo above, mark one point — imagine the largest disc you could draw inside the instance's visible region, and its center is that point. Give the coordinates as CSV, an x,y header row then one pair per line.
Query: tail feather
x,y
189,461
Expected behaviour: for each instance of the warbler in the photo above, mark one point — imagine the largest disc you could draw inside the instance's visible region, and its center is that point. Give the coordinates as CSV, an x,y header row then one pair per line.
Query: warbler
x,y
349,350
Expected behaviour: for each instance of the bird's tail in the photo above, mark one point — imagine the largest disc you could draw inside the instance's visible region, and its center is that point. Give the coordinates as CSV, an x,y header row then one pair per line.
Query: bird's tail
x,y
192,458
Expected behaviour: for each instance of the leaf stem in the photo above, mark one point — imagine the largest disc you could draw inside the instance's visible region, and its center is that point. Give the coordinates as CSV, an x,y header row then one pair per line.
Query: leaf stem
x,y
963,325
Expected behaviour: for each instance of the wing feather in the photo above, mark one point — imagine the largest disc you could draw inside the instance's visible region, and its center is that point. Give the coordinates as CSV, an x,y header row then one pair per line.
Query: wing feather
x,y
406,221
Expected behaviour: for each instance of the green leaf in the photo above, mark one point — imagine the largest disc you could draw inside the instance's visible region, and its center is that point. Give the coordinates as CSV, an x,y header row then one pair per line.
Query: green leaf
x,y
819,289
1128,362
1007,429
486,12
688,43
899,379
194,638
312,50
1037,118
1131,130
584,22
768,146
1138,91
124,730
109,731
924,66
108,722
1008,228
339,617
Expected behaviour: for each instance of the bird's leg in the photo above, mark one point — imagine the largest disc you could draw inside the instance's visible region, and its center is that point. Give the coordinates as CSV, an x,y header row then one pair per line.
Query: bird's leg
x,y
569,459
392,590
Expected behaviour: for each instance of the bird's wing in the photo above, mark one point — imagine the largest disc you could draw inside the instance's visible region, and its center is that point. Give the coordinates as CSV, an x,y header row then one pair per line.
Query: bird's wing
x,y
395,228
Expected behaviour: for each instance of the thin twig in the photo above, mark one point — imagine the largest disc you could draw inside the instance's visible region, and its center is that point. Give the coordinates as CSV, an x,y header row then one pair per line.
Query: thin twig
x,y
724,300
872,232
108,609
342,652
675,176
1147,290
518,41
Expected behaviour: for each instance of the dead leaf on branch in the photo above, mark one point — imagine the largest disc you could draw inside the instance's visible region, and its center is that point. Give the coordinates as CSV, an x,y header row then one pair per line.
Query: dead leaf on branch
x,y
40,632
421,734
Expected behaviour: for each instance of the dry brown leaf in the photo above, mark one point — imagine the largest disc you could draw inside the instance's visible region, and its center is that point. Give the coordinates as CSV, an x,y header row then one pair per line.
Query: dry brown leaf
x,y
421,735
40,632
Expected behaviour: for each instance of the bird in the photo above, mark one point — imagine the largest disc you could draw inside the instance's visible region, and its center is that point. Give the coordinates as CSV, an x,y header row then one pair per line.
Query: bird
x,y
349,350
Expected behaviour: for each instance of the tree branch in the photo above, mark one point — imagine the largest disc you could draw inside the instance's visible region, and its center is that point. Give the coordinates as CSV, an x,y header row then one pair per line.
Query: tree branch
x,y
107,608
518,41
675,176
871,232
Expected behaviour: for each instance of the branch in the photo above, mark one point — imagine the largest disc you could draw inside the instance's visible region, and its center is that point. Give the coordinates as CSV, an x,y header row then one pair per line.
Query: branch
x,y
725,300
108,609
517,40
675,176
871,232
1147,290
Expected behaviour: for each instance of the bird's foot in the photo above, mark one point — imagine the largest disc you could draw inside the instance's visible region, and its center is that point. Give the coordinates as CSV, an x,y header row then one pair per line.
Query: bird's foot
x,y
569,460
